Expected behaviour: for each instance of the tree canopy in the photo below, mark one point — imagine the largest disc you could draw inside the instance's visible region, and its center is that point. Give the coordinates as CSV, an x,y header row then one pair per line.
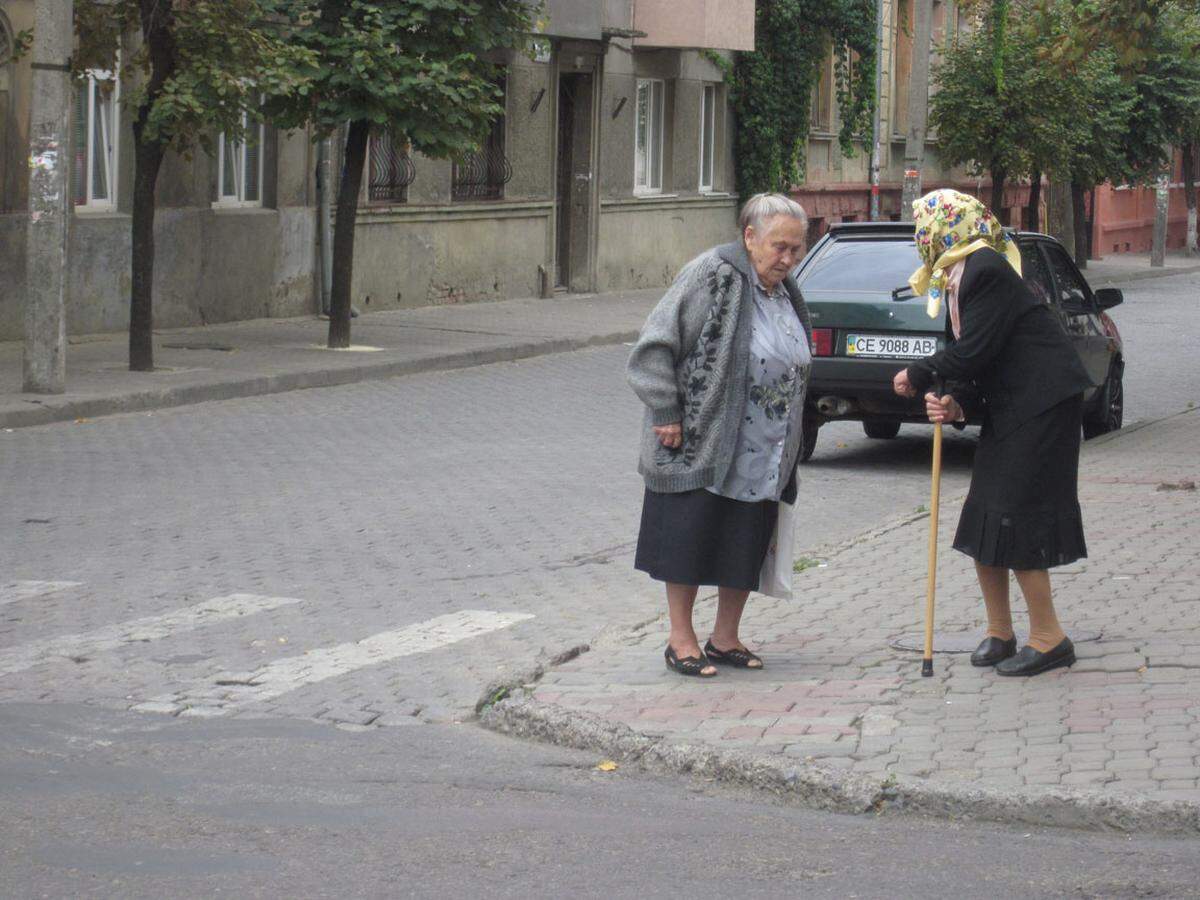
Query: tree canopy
x,y
426,70
194,70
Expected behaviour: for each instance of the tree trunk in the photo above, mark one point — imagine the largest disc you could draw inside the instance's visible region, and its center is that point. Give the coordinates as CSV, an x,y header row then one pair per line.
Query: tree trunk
x,y
343,233
918,106
1189,193
148,157
1162,198
997,202
1091,221
1060,216
1032,208
156,21
1079,213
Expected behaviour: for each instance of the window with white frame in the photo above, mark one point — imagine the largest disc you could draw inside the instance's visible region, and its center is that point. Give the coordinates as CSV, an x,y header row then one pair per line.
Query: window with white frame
x,y
708,136
96,132
648,140
240,166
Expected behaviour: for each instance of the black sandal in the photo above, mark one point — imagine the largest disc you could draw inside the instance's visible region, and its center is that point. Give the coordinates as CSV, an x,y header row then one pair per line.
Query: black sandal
x,y
739,657
692,666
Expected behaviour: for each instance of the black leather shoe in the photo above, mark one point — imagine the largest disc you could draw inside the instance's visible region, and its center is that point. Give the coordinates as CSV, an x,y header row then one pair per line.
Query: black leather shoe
x,y
992,650
1033,662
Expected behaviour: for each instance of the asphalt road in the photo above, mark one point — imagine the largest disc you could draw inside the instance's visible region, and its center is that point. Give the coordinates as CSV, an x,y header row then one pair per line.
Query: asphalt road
x,y
230,557
98,804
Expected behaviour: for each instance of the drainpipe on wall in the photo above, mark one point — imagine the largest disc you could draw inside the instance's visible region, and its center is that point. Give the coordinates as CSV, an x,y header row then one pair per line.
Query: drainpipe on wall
x,y
325,221
876,150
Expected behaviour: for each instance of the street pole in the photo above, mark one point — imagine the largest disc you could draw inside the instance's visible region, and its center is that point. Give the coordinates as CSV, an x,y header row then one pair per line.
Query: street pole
x,y
918,107
876,137
44,359
325,190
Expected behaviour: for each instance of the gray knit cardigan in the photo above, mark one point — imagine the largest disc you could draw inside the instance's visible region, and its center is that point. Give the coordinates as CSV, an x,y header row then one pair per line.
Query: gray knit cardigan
x,y
690,365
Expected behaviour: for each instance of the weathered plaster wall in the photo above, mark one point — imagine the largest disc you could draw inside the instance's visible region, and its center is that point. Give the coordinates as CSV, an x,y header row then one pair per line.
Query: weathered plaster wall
x,y
406,258
211,265
644,243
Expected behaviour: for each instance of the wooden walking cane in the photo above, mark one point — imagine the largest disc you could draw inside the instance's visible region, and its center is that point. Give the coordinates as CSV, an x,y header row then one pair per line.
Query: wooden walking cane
x,y
934,499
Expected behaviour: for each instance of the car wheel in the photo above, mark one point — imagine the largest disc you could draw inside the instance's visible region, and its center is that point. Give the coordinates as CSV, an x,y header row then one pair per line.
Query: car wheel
x,y
808,434
883,430
1110,409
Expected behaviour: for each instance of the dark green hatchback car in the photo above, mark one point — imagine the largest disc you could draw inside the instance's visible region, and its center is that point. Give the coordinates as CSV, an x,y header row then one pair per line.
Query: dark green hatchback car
x,y
867,324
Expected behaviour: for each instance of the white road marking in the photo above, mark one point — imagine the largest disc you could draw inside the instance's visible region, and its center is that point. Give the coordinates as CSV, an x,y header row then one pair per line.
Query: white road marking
x,y
232,691
150,628
12,591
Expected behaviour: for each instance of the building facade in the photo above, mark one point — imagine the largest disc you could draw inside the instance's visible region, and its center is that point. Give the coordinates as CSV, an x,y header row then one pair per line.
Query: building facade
x,y
611,167
837,187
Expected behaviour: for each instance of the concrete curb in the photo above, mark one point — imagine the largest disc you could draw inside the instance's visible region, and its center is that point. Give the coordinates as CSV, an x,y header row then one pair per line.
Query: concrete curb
x,y
1138,275
48,410
812,785
809,783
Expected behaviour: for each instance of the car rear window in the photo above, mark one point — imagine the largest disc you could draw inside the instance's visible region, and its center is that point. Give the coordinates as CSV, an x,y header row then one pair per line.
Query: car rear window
x,y
861,265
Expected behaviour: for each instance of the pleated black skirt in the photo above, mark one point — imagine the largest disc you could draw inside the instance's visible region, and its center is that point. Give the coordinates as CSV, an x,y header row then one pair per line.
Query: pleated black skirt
x,y
698,537
1022,510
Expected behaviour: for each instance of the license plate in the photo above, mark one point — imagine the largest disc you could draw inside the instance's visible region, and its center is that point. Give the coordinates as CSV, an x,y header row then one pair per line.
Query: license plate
x,y
898,346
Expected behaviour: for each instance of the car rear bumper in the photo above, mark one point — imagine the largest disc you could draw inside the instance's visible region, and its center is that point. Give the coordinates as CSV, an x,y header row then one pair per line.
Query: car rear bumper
x,y
865,388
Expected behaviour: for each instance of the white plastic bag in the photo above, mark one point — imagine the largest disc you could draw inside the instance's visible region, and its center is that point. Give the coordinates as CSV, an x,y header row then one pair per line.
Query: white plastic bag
x,y
775,579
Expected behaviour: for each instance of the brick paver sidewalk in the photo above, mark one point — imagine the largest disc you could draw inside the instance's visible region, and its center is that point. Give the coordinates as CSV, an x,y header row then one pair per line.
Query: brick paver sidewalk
x,y
1124,721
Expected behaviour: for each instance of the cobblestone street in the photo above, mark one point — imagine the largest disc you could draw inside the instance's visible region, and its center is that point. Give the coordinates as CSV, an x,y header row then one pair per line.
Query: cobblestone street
x,y
377,555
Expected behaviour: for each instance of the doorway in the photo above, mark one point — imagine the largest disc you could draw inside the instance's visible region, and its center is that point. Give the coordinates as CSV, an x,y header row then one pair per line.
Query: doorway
x,y
573,181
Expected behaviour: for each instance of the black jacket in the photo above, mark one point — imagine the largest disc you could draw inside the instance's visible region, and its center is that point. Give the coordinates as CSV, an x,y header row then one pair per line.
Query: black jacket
x,y
1013,356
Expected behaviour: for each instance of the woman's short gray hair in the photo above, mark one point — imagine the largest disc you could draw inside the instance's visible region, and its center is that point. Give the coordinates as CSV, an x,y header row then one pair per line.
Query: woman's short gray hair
x,y
761,207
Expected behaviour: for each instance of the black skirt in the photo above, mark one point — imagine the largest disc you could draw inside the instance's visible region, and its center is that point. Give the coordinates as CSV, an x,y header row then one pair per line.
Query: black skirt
x,y
1022,511
698,537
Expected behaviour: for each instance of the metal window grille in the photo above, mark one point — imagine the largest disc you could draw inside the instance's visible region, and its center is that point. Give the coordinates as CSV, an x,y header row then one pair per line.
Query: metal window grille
x,y
483,174
391,169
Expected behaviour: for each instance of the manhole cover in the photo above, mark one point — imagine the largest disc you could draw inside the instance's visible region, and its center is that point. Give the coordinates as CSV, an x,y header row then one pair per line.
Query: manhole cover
x,y
967,641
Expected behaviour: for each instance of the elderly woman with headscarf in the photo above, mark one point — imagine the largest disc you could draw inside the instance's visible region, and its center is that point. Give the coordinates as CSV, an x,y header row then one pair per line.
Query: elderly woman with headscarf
x,y
721,365
1007,357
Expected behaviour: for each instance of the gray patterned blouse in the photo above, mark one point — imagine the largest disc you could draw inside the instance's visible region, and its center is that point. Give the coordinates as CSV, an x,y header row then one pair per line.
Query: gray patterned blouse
x,y
780,360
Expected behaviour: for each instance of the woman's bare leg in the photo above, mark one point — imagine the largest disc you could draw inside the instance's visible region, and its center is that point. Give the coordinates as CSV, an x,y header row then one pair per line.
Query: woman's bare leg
x,y
681,600
993,582
1045,632
731,604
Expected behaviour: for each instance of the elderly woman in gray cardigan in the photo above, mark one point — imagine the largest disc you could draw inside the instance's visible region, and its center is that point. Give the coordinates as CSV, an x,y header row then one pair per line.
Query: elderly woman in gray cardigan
x,y
722,364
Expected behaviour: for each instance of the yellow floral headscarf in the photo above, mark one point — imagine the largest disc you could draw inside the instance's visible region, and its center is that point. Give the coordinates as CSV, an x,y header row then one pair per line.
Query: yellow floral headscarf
x,y
951,226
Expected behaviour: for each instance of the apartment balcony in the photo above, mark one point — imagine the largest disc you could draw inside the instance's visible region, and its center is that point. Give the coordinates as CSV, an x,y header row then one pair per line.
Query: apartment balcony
x,y
587,20
695,24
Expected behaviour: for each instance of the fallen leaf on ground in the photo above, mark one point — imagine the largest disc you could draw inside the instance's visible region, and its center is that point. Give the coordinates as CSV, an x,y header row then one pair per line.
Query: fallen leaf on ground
x,y
607,766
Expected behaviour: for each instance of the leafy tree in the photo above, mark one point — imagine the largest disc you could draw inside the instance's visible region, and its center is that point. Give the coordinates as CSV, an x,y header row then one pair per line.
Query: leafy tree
x,y
996,111
419,67
771,88
191,71
1127,27
1167,111
1103,104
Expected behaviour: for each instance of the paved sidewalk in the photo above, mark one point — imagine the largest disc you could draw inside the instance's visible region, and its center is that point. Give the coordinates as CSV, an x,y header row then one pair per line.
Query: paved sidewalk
x,y
844,720
266,356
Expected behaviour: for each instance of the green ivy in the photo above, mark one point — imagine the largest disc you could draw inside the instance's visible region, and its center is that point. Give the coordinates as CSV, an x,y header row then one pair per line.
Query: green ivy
x,y
771,88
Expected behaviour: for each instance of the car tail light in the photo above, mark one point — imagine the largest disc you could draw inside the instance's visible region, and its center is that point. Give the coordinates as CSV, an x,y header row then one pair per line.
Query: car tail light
x,y
822,342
